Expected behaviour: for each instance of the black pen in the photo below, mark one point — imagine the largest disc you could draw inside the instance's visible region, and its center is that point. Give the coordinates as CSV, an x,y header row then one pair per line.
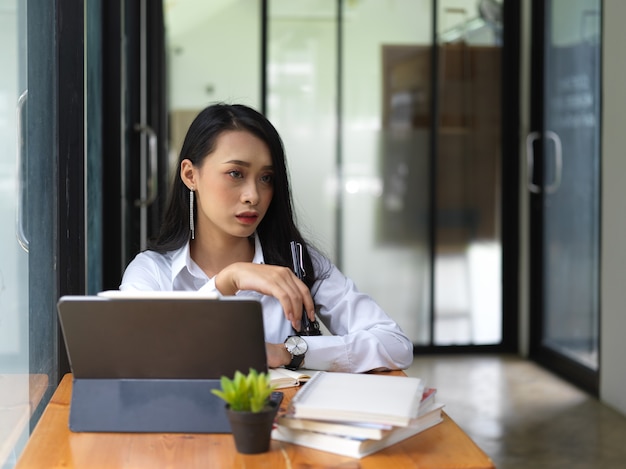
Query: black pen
x,y
308,327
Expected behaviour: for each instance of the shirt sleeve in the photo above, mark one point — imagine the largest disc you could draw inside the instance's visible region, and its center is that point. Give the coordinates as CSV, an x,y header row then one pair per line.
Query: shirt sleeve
x,y
363,336
151,271
210,287
145,274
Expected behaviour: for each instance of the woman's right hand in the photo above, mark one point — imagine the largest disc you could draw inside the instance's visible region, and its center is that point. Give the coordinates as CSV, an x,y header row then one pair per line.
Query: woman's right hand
x,y
277,281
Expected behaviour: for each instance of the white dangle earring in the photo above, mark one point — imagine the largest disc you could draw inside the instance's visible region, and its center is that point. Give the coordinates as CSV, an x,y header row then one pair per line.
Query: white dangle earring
x,y
191,224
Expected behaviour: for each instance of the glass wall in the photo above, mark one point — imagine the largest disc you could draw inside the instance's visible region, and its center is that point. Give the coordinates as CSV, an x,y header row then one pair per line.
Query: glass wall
x,y
301,102
213,54
386,157
468,265
360,168
397,179
14,371
28,280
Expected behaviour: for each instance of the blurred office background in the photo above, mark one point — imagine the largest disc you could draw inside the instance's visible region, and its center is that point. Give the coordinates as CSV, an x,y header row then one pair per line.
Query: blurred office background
x,y
350,88
446,154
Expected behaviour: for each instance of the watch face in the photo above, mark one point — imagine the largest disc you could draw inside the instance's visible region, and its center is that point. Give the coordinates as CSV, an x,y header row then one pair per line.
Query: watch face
x,y
296,345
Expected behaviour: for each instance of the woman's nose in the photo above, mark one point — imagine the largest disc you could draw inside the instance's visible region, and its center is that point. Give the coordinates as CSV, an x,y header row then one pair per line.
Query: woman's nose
x,y
250,195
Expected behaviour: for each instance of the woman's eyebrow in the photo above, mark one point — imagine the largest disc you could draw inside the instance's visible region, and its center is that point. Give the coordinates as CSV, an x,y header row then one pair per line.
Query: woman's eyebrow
x,y
247,164
237,162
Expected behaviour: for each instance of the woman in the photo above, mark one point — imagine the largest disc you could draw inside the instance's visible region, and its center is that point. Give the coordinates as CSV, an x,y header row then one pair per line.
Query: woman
x,y
227,229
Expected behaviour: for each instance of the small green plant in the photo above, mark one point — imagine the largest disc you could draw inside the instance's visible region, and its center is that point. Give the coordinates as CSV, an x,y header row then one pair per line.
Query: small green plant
x,y
248,393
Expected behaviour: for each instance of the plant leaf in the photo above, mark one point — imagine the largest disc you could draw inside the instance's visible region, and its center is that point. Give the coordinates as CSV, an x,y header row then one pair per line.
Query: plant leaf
x,y
249,392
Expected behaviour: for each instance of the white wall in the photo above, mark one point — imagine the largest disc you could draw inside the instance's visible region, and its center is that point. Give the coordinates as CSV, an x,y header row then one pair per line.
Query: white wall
x,y
613,272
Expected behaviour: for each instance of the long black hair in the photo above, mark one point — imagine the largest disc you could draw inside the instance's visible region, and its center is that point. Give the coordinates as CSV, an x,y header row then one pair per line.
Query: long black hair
x,y
278,227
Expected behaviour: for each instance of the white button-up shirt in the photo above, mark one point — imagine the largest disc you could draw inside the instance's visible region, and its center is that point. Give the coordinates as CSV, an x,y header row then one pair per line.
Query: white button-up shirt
x,y
362,336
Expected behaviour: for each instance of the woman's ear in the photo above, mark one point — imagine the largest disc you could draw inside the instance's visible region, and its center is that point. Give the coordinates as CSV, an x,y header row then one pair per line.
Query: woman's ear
x,y
187,174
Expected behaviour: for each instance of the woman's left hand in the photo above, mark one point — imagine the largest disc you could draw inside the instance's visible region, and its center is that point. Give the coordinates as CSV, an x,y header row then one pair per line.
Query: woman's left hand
x,y
277,281
277,355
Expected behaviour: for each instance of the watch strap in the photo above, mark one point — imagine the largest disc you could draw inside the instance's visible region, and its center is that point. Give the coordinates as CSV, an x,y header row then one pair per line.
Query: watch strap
x,y
296,361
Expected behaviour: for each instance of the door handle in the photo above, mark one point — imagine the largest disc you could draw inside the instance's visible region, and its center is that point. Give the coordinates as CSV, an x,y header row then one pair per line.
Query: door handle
x,y
149,185
20,229
558,162
530,161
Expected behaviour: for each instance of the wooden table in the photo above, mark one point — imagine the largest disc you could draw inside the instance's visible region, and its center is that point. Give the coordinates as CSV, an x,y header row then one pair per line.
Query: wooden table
x,y
53,445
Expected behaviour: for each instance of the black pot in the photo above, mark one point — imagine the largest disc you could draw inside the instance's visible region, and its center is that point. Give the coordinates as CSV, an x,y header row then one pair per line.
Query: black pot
x,y
252,430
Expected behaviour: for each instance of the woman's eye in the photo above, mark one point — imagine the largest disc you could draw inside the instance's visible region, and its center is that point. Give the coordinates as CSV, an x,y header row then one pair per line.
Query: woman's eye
x,y
235,173
268,178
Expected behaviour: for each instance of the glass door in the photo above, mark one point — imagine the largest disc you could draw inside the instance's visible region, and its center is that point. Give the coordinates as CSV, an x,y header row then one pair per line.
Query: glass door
x,y
563,154
135,167
29,266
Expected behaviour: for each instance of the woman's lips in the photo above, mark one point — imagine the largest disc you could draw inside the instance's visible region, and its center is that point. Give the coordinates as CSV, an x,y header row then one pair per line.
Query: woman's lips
x,y
248,217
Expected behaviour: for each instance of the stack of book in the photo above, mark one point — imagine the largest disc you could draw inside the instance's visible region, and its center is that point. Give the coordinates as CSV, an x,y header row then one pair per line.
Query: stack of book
x,y
357,414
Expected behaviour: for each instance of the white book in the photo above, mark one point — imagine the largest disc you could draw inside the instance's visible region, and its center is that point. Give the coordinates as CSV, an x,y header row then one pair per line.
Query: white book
x,y
284,378
351,397
356,447
374,431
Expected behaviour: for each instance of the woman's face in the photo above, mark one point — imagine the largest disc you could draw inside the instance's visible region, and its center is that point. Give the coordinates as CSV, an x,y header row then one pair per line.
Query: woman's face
x,y
234,185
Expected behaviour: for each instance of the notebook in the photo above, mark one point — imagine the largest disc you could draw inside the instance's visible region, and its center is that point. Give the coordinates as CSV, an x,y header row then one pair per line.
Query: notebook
x,y
148,364
367,398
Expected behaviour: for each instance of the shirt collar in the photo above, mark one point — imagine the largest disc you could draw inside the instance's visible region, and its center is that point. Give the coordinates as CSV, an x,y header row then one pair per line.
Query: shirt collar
x,y
181,260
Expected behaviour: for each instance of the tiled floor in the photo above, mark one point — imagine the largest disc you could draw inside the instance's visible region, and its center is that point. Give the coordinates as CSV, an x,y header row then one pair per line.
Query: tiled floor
x,y
524,417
